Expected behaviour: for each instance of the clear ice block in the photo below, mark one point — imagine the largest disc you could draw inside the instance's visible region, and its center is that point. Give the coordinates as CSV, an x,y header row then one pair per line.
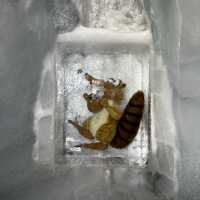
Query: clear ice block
x,y
131,69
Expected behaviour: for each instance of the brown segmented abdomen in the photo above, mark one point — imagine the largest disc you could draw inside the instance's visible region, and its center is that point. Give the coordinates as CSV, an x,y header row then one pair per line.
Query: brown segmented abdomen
x,y
129,122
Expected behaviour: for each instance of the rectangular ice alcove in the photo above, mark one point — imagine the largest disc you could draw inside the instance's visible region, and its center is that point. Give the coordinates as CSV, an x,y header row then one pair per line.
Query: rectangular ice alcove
x,y
113,40
132,68
115,15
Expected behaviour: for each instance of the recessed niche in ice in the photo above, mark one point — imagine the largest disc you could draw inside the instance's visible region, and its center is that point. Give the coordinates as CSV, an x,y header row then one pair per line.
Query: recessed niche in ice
x,y
115,15
131,69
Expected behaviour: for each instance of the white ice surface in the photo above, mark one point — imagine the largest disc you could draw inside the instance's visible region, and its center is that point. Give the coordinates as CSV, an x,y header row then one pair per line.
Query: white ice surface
x,y
89,36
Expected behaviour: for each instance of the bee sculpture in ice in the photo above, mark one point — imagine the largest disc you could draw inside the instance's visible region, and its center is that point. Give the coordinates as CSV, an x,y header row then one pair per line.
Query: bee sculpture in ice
x,y
109,125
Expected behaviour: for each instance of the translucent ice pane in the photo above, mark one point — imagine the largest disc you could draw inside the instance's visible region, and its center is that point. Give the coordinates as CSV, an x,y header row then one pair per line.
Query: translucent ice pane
x,y
129,68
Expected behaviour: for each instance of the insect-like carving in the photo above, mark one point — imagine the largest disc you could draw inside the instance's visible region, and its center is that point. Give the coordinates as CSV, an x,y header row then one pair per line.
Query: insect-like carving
x,y
108,125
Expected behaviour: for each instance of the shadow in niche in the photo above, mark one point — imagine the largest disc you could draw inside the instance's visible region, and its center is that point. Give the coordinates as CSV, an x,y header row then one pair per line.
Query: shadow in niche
x,y
26,35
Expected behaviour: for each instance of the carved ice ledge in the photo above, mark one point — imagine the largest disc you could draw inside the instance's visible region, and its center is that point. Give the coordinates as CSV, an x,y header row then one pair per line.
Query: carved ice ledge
x,y
91,38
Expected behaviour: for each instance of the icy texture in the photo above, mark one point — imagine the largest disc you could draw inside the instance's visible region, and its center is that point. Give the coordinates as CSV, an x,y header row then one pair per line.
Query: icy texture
x,y
116,15
23,47
43,125
166,25
189,103
63,15
133,70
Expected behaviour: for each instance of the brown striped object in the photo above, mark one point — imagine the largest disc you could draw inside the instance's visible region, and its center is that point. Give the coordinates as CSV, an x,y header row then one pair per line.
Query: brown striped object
x,y
129,122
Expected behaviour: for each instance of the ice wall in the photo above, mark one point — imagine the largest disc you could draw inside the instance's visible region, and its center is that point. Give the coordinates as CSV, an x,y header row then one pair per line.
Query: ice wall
x,y
27,36
188,94
176,36
166,33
